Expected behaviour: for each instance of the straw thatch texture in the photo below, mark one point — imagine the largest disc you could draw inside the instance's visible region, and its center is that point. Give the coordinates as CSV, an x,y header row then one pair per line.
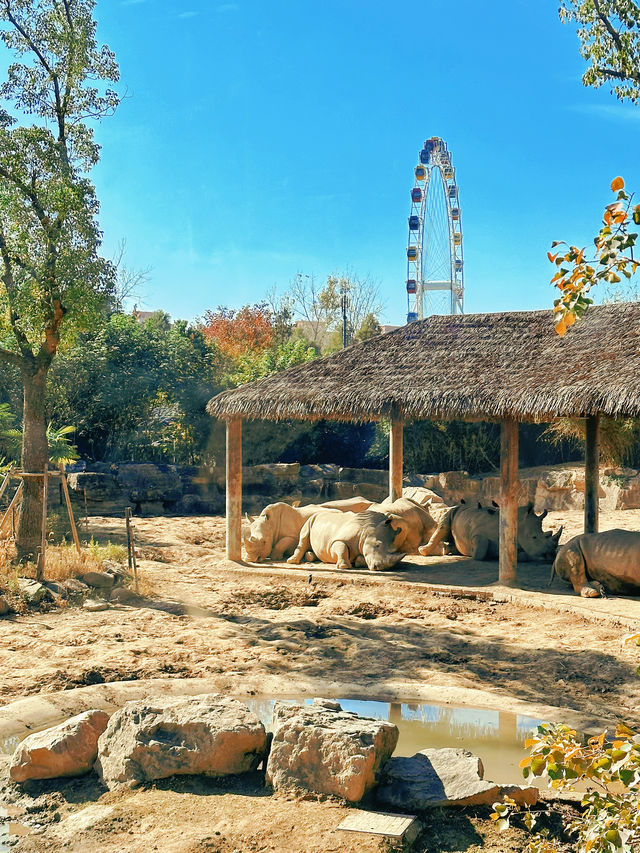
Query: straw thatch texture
x,y
478,366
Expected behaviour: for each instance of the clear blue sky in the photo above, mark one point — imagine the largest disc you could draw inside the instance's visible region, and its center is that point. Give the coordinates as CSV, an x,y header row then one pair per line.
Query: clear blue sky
x,y
261,139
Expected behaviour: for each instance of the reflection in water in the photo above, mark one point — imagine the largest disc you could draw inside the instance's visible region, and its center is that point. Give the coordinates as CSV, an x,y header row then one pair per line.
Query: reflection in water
x,y
497,737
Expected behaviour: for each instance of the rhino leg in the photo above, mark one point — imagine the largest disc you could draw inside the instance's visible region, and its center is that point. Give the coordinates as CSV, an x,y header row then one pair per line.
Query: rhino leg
x,y
287,543
436,544
360,562
479,547
570,565
304,544
340,550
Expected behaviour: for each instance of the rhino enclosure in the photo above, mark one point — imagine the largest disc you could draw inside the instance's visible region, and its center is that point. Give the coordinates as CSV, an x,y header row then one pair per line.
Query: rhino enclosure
x,y
484,367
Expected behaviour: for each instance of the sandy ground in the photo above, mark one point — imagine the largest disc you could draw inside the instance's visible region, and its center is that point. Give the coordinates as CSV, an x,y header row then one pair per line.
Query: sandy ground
x,y
273,631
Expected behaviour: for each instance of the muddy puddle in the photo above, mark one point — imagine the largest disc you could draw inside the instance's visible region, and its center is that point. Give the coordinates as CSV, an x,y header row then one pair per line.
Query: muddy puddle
x,y
496,737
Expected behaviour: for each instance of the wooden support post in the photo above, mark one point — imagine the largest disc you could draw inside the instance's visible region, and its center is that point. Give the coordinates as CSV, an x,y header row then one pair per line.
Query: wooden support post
x,y
131,547
395,459
508,544
40,565
67,499
592,474
234,489
14,501
5,482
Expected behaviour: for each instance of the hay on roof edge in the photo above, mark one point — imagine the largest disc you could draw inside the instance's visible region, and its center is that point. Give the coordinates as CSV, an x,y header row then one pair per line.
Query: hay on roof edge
x,y
471,367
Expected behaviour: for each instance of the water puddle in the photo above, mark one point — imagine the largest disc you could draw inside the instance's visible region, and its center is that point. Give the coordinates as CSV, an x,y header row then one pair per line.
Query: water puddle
x,y
497,737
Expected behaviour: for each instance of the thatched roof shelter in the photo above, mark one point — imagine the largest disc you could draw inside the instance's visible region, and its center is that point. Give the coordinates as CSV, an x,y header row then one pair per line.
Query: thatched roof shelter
x,y
476,366
509,367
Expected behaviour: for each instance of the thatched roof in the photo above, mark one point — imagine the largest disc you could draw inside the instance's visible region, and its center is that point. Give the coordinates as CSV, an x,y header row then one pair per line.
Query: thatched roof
x,y
478,366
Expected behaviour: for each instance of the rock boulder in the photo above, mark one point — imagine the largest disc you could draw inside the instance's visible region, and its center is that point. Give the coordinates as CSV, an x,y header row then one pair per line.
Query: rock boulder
x,y
323,749
208,734
435,777
68,749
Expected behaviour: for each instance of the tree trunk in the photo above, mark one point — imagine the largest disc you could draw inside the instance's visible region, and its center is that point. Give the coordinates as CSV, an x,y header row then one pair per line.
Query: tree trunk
x,y
35,455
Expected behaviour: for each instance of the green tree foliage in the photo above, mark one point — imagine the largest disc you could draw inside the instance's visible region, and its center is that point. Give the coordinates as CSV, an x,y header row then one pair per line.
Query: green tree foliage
x,y
53,280
320,309
137,390
609,33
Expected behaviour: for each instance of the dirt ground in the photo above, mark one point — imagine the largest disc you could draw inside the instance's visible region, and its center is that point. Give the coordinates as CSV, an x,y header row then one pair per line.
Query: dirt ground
x,y
276,631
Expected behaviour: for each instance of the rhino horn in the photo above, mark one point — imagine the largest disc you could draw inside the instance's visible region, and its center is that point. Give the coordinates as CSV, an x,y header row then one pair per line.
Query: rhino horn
x,y
556,536
543,514
249,518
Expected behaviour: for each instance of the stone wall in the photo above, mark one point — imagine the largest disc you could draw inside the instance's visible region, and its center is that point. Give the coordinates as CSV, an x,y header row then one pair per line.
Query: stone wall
x,y
168,489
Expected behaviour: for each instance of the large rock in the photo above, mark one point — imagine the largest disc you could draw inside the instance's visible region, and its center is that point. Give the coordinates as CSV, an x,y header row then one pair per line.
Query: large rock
x,y
455,486
326,471
98,487
435,777
69,749
145,483
209,734
364,475
324,749
621,487
270,479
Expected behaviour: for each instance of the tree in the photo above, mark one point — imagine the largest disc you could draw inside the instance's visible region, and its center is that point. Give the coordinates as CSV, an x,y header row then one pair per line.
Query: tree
x,y
249,329
320,309
613,256
609,33
53,279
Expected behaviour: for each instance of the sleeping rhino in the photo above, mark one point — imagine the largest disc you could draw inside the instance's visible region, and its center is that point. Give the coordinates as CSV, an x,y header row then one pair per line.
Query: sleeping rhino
x,y
593,562
277,529
420,525
475,533
350,537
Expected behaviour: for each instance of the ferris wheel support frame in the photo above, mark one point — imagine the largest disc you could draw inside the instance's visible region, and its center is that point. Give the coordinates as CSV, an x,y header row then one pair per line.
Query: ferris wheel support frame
x,y
434,164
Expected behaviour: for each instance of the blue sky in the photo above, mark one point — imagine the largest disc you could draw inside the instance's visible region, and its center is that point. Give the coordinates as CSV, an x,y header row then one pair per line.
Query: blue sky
x,y
261,139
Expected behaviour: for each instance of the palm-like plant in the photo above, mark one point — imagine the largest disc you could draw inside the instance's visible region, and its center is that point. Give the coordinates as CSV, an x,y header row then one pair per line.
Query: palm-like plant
x,y
61,450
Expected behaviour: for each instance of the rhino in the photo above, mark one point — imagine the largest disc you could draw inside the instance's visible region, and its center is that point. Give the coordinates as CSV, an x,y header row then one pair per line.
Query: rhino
x,y
597,562
277,529
420,524
475,531
351,538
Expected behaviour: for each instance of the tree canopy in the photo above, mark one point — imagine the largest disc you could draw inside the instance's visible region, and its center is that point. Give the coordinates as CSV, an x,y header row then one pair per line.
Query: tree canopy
x,y
609,33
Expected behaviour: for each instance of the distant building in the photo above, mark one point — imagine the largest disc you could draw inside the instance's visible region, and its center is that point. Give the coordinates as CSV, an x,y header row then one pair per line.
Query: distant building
x,y
386,329
142,316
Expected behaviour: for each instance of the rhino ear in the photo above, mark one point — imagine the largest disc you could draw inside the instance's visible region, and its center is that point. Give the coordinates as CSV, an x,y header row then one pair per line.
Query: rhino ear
x,y
491,510
462,501
295,503
543,514
249,518
479,505
496,505
529,508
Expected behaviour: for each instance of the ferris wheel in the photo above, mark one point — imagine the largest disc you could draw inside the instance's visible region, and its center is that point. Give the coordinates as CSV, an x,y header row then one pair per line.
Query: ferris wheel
x,y
435,261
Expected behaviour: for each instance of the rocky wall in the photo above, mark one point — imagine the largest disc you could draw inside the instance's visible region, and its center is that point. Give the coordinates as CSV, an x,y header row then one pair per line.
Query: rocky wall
x,y
152,489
